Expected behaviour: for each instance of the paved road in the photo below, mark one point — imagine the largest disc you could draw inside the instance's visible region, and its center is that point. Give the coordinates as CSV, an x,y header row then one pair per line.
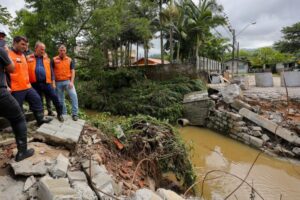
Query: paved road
x,y
276,92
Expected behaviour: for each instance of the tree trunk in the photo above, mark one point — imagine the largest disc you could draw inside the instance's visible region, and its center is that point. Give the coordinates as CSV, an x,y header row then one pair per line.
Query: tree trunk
x,y
178,50
137,51
145,53
197,54
122,55
161,35
130,50
171,45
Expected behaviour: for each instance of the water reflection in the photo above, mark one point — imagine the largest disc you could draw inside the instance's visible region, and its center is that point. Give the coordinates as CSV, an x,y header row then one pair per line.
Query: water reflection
x,y
271,177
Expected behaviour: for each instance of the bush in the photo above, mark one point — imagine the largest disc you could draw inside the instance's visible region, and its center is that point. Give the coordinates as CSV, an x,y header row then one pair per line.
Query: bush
x,y
125,92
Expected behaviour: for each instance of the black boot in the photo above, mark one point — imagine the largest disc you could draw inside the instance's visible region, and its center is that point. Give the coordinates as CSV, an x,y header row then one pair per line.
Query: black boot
x,y
51,113
39,116
59,109
23,152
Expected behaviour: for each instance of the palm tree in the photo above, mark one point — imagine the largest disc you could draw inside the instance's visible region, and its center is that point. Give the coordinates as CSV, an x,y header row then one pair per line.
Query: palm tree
x,y
168,17
200,20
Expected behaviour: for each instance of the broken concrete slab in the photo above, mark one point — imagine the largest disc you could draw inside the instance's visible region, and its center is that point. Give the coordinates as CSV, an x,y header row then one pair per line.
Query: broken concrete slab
x,y
61,166
30,181
38,164
95,168
168,194
66,133
239,104
270,126
11,189
28,168
230,92
103,182
296,150
145,194
84,191
100,179
50,189
76,176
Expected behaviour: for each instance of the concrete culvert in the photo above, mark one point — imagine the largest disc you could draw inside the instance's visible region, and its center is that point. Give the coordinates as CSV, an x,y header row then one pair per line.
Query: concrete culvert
x,y
183,122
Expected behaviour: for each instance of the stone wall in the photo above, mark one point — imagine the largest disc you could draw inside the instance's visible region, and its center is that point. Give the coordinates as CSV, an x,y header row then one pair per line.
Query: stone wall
x,y
232,125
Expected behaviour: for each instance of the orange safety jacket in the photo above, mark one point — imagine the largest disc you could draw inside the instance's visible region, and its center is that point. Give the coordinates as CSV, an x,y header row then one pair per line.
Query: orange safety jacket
x,y
62,68
31,60
19,78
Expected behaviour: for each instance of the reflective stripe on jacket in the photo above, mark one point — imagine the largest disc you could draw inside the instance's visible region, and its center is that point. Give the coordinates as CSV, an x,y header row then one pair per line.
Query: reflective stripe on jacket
x,y
19,78
62,68
31,60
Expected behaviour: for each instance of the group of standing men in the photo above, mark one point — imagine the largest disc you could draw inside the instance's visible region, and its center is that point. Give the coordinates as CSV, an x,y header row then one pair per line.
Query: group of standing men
x,y
26,76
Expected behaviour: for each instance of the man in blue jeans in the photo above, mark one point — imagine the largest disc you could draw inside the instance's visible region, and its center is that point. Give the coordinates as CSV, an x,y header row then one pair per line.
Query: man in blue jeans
x,y
64,71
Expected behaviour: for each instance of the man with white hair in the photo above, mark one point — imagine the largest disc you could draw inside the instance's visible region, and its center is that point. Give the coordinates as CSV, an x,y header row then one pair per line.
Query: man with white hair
x,y
41,76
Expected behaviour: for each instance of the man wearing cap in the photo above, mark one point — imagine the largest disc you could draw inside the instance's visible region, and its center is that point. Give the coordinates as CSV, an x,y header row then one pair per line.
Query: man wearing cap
x,y
41,76
10,109
20,85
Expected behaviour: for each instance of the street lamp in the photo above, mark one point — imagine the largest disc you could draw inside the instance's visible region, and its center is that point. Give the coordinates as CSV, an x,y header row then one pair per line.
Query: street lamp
x,y
233,45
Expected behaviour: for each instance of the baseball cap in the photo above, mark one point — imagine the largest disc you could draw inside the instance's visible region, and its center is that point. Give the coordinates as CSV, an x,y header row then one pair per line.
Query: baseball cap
x,y
2,32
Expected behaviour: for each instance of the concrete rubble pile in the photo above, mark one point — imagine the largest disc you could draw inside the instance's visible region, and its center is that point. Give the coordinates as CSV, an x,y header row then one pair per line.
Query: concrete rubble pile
x,y
52,173
256,119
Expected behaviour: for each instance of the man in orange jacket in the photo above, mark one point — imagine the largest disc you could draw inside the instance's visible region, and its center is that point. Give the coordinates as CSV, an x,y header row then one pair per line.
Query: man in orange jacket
x,y
20,86
10,109
41,76
64,70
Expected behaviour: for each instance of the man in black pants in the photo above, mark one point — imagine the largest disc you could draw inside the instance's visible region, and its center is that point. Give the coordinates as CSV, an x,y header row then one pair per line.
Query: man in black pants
x,y
41,76
20,85
10,109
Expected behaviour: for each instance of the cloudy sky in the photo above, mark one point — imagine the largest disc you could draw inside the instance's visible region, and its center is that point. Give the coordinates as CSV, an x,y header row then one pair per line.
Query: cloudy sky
x,y
270,16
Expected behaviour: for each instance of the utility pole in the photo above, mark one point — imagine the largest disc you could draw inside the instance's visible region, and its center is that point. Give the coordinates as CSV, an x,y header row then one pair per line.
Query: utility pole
x,y
233,49
238,57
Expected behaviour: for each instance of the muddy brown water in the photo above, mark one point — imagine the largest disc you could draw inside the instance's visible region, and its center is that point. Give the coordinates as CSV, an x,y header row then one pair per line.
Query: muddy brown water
x,y
273,178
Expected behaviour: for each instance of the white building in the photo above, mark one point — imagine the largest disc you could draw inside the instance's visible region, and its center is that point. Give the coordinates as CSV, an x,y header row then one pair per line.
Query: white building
x,y
243,66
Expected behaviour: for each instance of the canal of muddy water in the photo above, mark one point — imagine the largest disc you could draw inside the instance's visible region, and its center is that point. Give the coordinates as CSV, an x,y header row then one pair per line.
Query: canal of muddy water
x,y
273,178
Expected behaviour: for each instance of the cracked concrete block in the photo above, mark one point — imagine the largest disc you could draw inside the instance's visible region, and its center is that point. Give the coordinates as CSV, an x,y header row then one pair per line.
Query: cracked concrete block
x,y
145,194
256,128
265,138
61,167
84,191
27,168
296,150
76,176
30,181
66,133
50,189
168,194
11,189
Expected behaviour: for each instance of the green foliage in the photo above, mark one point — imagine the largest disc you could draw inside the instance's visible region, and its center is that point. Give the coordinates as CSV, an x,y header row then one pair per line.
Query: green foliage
x,y
5,17
290,42
126,92
263,56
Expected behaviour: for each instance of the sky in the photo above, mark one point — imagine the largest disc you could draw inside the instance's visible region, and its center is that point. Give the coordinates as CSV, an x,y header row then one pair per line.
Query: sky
x,y
270,17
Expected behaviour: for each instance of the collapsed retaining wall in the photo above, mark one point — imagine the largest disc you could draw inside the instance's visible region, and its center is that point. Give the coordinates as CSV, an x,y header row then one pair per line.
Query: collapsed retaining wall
x,y
232,124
